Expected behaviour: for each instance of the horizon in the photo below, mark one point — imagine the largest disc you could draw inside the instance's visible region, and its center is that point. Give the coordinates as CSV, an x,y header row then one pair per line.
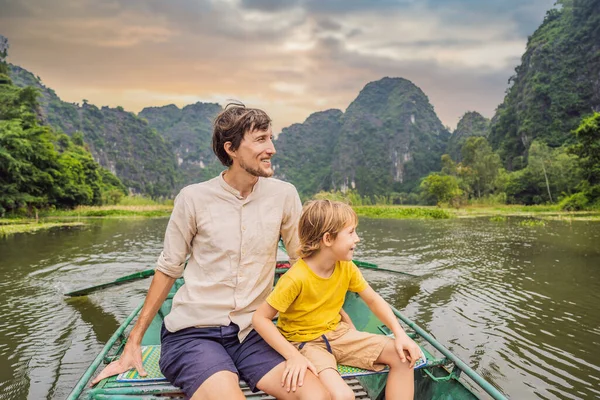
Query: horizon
x,y
298,57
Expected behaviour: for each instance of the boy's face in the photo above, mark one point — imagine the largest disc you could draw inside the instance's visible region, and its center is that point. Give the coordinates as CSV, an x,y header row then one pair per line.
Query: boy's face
x,y
345,242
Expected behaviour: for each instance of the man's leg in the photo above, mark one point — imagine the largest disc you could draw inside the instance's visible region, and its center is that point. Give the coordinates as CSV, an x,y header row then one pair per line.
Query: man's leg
x,y
222,385
195,360
262,367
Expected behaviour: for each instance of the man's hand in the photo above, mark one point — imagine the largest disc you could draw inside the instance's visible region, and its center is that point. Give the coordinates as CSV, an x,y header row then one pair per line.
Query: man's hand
x,y
130,358
295,370
407,349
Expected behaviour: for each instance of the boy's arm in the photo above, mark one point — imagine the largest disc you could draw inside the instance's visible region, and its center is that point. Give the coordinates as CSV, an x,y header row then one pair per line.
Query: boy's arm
x,y
296,363
383,311
346,319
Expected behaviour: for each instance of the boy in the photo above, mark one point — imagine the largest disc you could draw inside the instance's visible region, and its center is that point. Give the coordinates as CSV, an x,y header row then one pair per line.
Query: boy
x,y
309,298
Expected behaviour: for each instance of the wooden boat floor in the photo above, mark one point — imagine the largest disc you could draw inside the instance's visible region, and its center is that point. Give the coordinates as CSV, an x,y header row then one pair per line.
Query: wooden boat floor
x,y
163,390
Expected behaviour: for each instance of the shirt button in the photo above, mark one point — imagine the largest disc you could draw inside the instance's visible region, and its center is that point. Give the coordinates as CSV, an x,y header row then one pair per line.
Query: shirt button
x,y
243,228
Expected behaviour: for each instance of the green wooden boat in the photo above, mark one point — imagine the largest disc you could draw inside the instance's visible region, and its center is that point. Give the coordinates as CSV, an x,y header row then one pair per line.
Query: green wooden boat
x,y
443,378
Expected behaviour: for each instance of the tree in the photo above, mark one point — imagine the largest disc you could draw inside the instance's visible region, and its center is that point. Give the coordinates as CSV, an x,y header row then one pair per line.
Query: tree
x,y
484,164
540,159
440,188
587,148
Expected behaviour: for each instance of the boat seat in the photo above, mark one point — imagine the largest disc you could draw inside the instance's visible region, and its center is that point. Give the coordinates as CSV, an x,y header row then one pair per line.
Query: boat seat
x,y
151,355
156,382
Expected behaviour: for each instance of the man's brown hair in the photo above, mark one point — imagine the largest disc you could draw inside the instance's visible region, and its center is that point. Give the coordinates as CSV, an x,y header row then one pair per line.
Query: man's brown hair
x,y
320,217
232,124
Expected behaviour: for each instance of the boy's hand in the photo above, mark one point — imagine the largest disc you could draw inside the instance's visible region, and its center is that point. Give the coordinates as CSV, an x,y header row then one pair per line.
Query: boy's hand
x,y
295,370
407,349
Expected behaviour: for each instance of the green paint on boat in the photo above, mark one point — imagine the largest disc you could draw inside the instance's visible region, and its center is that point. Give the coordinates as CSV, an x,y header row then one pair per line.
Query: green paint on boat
x,y
442,378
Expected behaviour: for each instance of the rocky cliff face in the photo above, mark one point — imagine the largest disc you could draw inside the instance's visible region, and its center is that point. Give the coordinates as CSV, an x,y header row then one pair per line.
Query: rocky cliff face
x,y
388,138
470,124
189,134
118,140
556,84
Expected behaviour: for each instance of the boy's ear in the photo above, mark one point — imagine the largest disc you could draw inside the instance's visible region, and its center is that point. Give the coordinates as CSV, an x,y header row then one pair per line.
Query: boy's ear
x,y
327,240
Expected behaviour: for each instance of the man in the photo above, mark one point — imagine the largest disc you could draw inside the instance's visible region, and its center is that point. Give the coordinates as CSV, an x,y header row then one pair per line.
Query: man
x,y
230,226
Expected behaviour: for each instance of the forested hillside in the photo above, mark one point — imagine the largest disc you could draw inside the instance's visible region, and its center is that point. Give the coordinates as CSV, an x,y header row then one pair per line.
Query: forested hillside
x,y
557,83
304,152
387,139
40,167
188,131
119,140
471,124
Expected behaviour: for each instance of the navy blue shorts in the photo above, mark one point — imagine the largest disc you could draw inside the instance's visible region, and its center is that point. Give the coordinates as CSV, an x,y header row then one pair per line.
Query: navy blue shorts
x,y
190,356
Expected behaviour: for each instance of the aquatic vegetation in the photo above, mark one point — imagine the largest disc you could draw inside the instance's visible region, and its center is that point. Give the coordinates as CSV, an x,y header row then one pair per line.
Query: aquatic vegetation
x,y
532,222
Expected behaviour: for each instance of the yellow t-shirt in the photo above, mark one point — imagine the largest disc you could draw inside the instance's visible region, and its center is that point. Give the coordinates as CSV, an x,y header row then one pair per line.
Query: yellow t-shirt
x,y
310,305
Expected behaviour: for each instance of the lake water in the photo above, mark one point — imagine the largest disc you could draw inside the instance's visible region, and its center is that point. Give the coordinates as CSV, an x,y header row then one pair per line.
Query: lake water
x,y
519,304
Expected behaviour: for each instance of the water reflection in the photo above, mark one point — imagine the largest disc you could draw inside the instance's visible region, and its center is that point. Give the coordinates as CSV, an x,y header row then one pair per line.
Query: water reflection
x,y
517,303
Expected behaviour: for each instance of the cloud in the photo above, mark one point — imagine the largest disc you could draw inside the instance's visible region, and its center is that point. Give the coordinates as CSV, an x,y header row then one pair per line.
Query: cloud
x,y
290,57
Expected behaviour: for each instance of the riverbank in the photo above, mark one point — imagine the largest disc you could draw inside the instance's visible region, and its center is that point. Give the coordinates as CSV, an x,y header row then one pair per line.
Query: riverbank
x,y
431,212
77,216
74,217
26,226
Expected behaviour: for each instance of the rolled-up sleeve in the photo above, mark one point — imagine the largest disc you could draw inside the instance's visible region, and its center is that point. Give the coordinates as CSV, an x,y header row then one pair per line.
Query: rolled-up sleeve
x,y
289,227
178,238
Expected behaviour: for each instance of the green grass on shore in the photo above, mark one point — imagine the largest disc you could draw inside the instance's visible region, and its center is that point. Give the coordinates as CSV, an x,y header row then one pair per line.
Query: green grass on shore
x,y
27,227
55,218
495,213
402,212
118,211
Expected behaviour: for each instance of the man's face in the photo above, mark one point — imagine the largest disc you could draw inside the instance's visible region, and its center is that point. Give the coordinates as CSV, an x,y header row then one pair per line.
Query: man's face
x,y
255,152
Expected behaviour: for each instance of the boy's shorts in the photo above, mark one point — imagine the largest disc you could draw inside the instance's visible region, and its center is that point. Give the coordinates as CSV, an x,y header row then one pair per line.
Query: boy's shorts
x,y
192,355
348,346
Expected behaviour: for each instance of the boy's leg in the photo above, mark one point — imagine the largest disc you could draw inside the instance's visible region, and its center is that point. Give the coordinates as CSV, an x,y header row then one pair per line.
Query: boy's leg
x,y
370,351
401,378
312,388
194,360
262,368
357,349
337,388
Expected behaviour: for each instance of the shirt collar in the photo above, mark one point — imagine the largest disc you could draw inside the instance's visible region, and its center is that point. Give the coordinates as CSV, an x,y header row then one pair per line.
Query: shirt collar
x,y
234,191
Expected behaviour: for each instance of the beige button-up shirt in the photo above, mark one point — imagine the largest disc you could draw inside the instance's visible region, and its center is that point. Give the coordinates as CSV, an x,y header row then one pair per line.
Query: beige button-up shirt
x,y
232,243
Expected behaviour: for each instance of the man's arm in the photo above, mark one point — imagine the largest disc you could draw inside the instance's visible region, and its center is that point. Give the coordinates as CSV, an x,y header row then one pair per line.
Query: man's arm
x,y
178,237
382,310
289,225
132,353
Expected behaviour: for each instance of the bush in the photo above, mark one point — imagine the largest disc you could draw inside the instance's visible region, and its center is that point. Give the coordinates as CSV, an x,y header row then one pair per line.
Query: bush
x,y
576,202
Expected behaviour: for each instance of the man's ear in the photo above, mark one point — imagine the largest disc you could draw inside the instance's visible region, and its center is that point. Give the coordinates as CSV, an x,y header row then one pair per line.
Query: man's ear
x,y
227,147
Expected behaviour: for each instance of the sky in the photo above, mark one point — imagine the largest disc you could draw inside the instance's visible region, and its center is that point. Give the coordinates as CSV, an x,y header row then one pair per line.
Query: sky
x,y
290,58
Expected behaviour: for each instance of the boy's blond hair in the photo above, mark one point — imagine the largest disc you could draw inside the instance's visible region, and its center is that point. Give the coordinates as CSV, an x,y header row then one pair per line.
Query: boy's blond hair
x,y
320,217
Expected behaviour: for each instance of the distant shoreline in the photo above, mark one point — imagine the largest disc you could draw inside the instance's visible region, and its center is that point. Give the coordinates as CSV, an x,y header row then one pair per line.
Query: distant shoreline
x,y
497,213
65,218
